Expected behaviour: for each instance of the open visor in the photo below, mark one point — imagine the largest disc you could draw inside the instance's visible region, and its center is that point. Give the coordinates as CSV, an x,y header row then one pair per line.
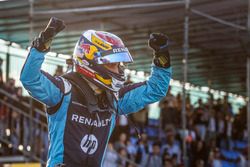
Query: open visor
x,y
111,57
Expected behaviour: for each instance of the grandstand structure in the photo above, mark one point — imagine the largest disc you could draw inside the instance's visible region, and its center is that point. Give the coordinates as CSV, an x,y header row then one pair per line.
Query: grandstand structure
x,y
209,39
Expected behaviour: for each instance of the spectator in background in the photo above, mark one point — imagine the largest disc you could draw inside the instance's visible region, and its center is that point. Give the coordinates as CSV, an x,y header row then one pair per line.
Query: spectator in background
x,y
243,161
2,120
218,106
215,158
153,159
59,71
220,128
211,125
10,87
111,158
131,148
191,136
121,143
178,110
19,97
189,111
140,118
200,120
19,93
168,107
198,152
142,149
240,125
123,156
11,90
167,160
179,102
123,126
15,131
199,163
1,84
172,147
228,132
3,111
227,107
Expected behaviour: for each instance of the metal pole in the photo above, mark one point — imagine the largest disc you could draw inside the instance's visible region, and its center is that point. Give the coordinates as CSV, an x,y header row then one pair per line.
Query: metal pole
x,y
248,107
108,8
8,62
30,100
248,86
218,20
31,14
185,70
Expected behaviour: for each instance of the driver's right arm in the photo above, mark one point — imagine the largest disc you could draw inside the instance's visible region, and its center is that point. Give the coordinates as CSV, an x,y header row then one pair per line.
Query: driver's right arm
x,y
41,85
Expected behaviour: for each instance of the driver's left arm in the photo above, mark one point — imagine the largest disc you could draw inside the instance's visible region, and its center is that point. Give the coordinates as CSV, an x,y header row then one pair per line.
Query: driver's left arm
x,y
135,97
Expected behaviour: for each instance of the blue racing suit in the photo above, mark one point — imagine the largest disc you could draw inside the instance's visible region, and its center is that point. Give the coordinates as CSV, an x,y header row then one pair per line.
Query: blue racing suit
x,y
78,137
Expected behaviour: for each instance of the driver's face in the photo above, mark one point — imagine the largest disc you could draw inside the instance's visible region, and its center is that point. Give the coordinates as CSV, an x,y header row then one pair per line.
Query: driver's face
x,y
113,67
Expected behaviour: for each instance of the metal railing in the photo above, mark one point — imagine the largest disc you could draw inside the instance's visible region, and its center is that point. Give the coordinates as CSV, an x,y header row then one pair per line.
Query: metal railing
x,y
21,129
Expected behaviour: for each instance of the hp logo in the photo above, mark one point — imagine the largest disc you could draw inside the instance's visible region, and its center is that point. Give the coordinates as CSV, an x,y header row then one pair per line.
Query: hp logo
x,y
89,144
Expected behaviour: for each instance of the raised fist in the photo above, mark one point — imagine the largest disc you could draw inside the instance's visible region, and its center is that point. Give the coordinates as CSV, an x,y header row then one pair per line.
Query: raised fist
x,y
159,43
43,42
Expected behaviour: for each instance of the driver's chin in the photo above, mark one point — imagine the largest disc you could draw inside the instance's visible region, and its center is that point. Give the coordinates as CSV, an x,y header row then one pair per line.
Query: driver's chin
x,y
113,67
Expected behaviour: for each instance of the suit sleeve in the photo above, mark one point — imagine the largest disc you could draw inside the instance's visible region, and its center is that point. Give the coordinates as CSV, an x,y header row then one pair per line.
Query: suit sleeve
x,y
41,85
135,97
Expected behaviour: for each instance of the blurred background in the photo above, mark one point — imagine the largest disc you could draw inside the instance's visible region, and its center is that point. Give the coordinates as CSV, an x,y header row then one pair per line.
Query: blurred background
x,y
202,121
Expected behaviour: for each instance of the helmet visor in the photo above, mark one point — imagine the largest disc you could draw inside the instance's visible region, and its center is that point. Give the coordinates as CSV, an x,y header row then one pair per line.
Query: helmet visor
x,y
113,56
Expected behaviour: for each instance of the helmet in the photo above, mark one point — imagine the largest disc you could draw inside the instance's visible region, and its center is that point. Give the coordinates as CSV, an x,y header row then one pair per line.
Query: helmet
x,y
93,50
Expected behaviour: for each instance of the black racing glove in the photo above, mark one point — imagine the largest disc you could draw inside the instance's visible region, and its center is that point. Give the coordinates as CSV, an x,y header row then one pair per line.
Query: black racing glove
x,y
43,41
159,43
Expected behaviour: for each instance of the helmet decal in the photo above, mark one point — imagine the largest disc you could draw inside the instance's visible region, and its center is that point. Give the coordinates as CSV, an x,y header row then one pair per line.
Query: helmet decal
x,y
93,50
112,39
85,47
90,53
103,80
100,43
85,72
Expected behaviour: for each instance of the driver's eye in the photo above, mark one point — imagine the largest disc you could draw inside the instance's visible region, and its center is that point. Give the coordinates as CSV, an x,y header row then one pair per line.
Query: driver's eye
x,y
123,65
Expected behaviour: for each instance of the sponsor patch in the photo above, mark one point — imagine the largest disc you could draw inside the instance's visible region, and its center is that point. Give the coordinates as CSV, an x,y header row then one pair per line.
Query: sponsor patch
x,y
89,144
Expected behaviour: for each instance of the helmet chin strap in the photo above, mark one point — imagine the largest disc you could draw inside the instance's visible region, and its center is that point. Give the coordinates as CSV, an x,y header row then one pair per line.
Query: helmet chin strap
x,y
99,90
